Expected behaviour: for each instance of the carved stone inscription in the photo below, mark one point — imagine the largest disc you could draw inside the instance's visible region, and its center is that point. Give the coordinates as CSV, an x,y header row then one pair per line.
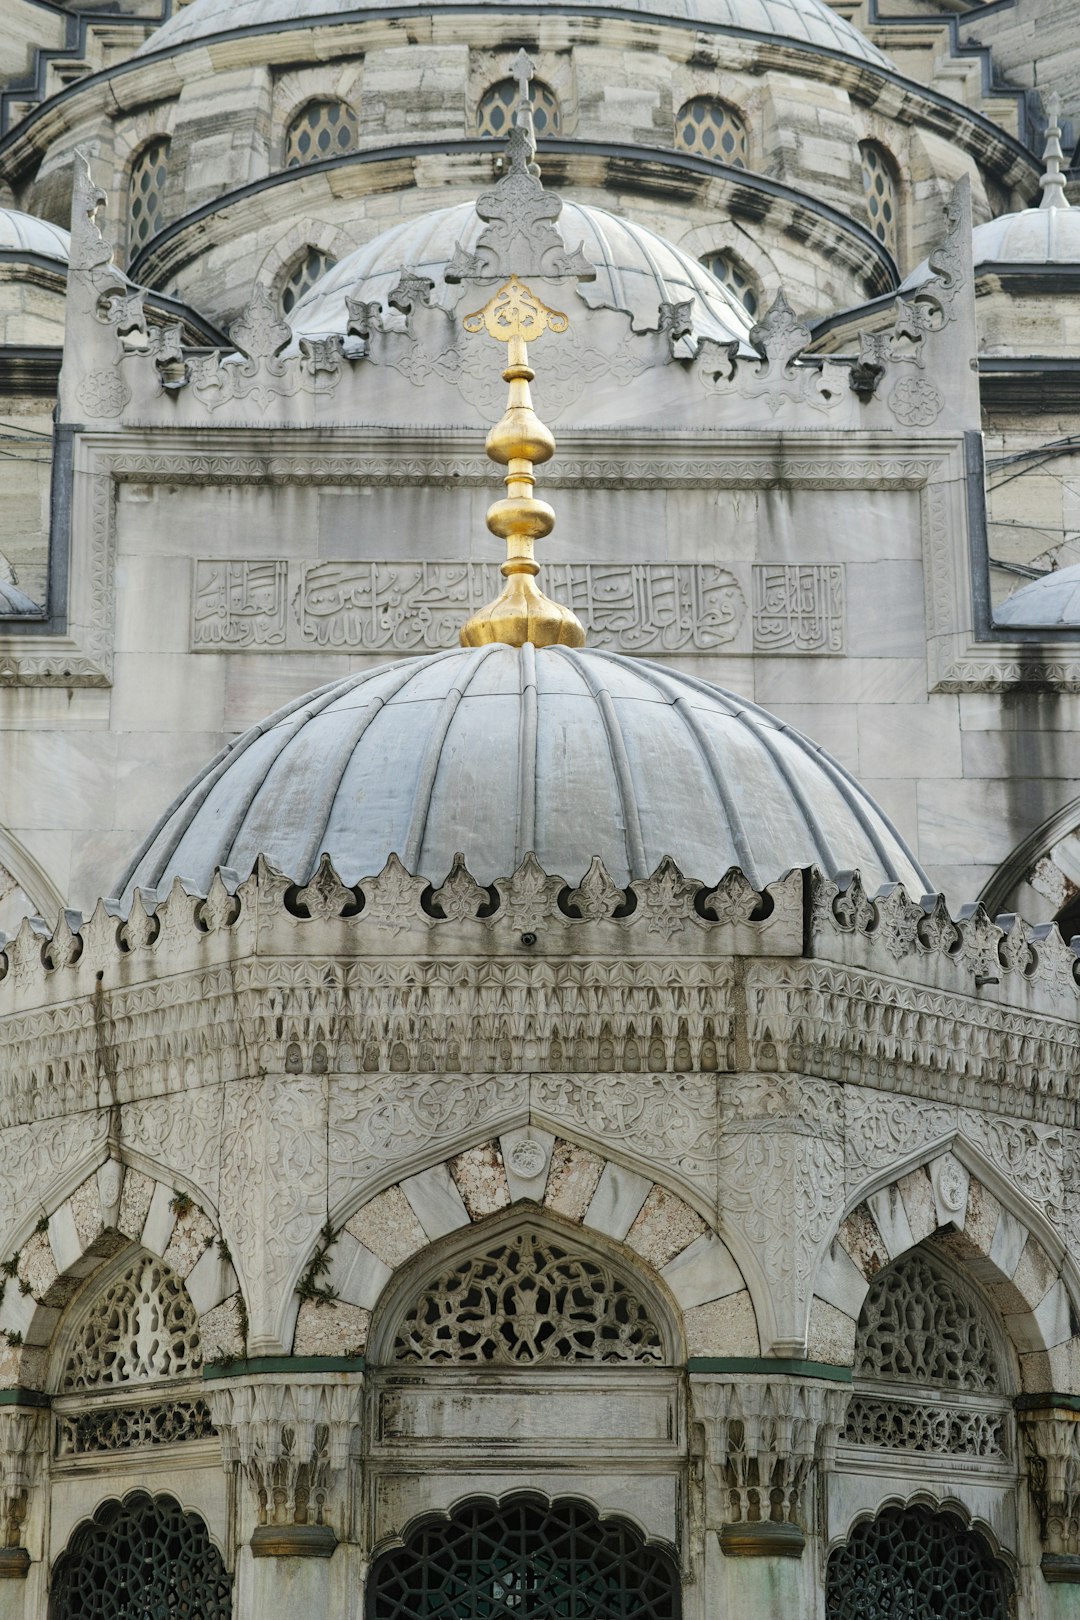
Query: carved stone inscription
x,y
799,607
419,606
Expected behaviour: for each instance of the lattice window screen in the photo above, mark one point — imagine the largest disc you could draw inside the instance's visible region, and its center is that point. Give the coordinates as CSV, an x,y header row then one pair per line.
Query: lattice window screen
x,y
912,1564
141,1558
303,276
735,279
713,130
146,192
143,1327
882,194
523,1558
526,1301
917,1327
322,129
495,114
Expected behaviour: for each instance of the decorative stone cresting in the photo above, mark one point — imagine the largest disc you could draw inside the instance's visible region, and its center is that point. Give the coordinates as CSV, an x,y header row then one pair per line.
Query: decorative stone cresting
x,y
291,1439
764,1438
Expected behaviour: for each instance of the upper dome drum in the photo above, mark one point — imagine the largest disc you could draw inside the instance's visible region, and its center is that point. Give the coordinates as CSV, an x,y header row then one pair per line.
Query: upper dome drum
x,y
501,751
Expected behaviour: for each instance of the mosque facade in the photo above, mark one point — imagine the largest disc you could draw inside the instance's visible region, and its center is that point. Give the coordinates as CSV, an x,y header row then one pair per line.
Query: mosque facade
x,y
539,614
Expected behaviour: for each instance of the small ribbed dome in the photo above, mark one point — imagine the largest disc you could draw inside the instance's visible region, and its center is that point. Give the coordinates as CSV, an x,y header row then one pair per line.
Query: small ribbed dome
x,y
1032,236
636,270
499,751
1053,600
809,22
25,233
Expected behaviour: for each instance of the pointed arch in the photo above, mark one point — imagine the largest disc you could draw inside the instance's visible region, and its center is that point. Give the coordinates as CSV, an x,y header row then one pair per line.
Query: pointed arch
x,y
528,1170
956,1199
116,1209
30,877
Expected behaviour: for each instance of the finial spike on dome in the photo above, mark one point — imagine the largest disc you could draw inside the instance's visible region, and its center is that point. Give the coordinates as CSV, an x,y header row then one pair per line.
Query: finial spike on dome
x,y
521,613
523,69
1053,181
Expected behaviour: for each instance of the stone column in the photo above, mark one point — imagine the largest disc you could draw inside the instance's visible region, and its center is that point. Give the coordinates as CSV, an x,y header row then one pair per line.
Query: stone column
x,y
1052,1438
290,1438
766,1438
23,1431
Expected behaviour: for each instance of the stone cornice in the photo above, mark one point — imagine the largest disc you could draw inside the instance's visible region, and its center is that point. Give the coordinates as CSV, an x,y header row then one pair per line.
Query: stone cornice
x,y
393,976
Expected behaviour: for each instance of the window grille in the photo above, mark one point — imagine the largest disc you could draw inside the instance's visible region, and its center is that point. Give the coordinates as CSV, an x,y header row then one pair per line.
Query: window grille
x,y
713,130
918,1327
322,129
495,114
882,194
735,279
127,1428
138,1558
527,1301
302,277
146,192
913,1564
522,1558
142,1327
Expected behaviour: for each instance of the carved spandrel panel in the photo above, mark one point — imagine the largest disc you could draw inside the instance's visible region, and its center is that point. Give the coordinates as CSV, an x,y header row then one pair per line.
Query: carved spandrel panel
x,y
799,607
419,606
239,604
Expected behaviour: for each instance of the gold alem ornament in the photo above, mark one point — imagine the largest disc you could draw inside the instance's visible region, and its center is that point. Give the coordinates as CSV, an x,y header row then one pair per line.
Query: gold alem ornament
x,y
521,613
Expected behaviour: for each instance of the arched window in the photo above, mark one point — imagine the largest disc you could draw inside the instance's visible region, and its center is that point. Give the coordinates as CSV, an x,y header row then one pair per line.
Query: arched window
x,y
882,191
523,1556
143,1556
527,1299
146,192
309,268
916,1563
142,1327
322,129
738,281
711,128
928,1368
495,113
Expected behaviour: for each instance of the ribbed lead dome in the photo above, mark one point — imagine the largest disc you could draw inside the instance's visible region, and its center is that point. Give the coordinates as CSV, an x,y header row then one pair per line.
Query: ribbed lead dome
x,y
499,751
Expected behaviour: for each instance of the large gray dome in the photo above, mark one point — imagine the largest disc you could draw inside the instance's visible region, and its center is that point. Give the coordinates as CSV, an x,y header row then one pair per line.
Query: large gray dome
x,y
809,22
1051,602
498,751
636,270
24,233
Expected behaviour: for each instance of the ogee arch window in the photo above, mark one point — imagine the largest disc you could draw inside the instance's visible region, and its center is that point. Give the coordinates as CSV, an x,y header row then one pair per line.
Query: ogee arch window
x,y
146,192
882,190
139,1558
914,1564
495,114
321,129
142,1327
712,129
523,1557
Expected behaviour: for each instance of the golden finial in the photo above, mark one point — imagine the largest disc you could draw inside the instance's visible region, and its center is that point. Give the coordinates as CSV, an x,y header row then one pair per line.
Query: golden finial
x,y
515,316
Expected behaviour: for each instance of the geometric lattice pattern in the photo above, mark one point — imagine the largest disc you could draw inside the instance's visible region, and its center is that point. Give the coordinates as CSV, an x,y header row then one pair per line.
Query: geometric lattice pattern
x,y
916,1326
735,279
324,129
506,1561
710,128
123,1428
929,1429
143,1326
303,276
528,1301
882,202
913,1564
141,1559
146,193
495,114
